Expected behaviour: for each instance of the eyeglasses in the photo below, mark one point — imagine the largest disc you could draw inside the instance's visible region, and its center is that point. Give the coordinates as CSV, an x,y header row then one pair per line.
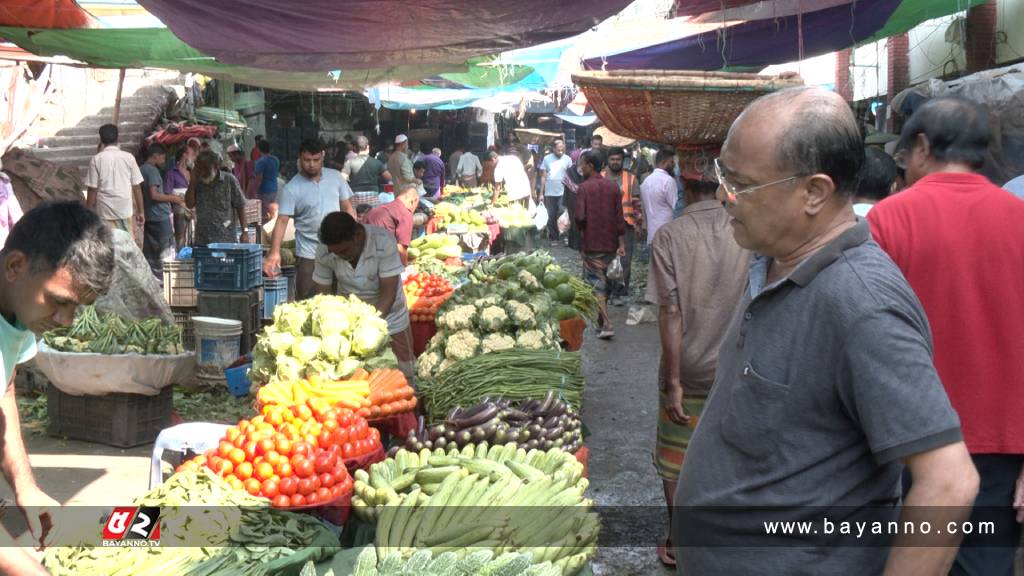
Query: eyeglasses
x,y
732,192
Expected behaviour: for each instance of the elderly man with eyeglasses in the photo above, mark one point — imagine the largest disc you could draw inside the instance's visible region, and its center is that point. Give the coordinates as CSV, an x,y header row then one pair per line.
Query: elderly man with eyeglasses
x,y
825,387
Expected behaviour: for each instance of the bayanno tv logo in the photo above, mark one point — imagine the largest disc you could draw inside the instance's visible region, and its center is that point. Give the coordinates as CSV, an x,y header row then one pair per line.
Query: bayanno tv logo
x,y
132,527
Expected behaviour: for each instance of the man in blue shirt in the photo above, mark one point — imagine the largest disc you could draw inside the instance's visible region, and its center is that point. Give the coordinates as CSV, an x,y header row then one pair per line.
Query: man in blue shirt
x,y
267,168
312,194
58,256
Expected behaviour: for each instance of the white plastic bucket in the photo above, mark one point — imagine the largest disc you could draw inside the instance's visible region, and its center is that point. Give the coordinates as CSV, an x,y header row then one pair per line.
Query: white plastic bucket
x,y
218,344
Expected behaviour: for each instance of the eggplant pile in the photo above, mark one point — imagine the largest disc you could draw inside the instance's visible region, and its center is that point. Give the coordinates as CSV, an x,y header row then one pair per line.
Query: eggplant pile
x,y
541,424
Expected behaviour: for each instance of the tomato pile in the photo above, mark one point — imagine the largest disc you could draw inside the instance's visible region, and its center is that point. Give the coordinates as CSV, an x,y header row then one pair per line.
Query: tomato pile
x,y
425,293
293,456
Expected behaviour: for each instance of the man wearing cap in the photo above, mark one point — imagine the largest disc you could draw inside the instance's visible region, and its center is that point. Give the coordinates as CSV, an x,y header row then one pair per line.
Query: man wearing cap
x,y
244,171
399,164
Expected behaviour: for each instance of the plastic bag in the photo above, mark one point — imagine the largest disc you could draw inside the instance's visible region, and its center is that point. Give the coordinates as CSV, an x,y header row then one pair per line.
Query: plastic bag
x,y
615,272
563,222
540,219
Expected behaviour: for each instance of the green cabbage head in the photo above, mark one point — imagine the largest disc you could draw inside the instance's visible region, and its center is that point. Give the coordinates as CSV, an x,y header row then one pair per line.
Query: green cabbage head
x,y
305,349
369,336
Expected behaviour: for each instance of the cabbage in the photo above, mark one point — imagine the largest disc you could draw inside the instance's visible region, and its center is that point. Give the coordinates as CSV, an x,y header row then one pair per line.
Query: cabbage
x,y
329,346
321,368
346,367
305,349
330,320
290,318
262,367
344,348
279,342
288,368
368,337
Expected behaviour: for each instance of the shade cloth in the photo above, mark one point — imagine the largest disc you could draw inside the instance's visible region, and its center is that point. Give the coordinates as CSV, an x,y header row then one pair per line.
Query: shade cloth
x,y
43,14
316,35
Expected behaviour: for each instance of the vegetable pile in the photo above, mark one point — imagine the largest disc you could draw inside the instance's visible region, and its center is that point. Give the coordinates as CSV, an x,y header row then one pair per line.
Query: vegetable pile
x,y
572,296
383,392
514,216
292,456
511,374
106,333
447,214
438,246
425,563
479,319
425,293
499,498
327,336
542,424
239,535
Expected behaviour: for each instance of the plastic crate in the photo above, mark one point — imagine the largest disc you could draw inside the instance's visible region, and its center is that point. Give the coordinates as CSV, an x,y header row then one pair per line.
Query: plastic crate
x,y
289,273
244,306
275,291
238,380
183,318
122,420
179,283
228,267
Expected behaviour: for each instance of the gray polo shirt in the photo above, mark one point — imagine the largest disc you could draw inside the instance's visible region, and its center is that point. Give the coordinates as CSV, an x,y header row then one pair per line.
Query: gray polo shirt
x,y
825,382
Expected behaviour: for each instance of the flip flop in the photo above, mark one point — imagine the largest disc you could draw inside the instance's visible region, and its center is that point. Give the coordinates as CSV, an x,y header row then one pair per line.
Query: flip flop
x,y
665,556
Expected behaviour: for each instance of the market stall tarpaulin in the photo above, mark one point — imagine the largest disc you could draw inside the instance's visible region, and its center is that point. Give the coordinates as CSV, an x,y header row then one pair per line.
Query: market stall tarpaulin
x,y
325,35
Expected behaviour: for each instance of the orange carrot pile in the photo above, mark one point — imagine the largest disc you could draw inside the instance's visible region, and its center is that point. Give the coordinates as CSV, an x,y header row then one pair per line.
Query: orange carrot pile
x,y
390,394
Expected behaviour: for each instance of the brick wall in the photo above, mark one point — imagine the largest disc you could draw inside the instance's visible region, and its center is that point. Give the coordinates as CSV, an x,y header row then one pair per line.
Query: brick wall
x,y
843,85
981,37
898,76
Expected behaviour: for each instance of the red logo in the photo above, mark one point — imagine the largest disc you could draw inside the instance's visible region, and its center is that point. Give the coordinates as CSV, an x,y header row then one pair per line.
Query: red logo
x,y
133,523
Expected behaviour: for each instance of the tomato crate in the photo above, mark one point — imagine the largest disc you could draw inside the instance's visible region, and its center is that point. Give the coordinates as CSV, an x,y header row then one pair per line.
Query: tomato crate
x,y
183,318
228,267
122,420
179,283
275,291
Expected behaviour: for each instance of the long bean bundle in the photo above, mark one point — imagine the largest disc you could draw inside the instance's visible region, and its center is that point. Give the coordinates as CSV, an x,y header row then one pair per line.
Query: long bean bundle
x,y
513,374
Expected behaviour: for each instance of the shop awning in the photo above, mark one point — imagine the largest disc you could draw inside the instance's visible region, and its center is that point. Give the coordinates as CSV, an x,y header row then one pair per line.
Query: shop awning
x,y
317,35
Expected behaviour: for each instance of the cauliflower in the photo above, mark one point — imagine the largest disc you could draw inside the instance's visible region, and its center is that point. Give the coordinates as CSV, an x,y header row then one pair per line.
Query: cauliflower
x,y
533,340
426,364
461,345
521,314
492,319
487,301
528,280
458,318
444,365
496,342
541,305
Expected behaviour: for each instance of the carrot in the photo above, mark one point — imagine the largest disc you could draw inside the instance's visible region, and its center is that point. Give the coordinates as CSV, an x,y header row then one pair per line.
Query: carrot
x,y
359,374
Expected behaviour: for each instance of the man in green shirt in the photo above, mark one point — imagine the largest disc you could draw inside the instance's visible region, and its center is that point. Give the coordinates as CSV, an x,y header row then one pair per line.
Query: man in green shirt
x,y
58,256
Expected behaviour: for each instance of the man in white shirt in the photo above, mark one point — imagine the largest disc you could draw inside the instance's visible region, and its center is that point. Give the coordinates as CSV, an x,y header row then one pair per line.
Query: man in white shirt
x,y
510,174
552,171
658,193
469,169
114,184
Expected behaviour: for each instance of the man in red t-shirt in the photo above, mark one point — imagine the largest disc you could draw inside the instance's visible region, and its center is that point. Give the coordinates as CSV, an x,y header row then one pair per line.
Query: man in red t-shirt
x,y
598,214
396,217
959,240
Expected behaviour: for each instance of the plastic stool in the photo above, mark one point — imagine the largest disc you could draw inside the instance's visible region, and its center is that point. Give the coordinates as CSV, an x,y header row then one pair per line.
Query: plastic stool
x,y
195,436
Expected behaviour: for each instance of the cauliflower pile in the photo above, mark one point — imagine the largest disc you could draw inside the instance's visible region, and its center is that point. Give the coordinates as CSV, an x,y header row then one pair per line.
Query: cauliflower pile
x,y
500,315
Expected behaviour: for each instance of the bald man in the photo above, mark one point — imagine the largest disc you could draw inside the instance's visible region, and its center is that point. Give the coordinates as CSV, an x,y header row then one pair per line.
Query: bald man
x,y
825,387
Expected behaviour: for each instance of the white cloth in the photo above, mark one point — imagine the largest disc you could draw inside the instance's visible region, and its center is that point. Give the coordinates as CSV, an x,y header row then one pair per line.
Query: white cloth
x,y
379,260
511,171
658,194
112,173
469,165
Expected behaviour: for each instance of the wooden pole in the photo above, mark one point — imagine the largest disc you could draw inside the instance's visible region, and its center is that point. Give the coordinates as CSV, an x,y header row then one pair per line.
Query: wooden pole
x,y
117,102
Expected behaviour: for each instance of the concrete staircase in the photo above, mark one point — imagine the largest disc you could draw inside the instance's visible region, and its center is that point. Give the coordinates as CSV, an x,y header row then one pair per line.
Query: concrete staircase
x,y
68,131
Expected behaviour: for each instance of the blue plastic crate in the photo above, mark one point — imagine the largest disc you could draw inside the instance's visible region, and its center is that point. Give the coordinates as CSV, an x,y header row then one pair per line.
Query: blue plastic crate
x,y
275,291
228,267
473,256
238,380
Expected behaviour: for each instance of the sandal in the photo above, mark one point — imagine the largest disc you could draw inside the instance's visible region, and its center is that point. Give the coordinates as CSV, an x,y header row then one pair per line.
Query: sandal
x,y
665,555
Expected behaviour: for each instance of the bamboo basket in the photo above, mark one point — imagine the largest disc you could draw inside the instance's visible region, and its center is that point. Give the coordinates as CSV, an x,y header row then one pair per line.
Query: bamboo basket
x,y
690,109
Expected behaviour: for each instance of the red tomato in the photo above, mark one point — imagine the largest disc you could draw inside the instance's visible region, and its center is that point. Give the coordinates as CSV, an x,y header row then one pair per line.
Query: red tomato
x,y
244,470
315,481
250,449
306,486
353,432
323,494
324,440
252,486
283,446
330,424
339,436
322,463
298,500
311,498
345,420
303,467
301,449
326,480
336,491
282,501
288,486
270,489
272,457
239,440
363,428
224,448
347,451
264,445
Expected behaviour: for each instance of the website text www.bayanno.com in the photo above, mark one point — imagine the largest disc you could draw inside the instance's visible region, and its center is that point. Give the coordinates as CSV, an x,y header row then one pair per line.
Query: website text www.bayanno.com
x,y
861,529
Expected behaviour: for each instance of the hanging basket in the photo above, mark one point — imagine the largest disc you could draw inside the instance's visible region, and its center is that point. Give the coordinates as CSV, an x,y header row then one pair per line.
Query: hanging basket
x,y
683,108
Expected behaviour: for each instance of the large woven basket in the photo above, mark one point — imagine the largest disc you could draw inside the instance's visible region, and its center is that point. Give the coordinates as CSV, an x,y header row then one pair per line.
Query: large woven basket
x,y
683,108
